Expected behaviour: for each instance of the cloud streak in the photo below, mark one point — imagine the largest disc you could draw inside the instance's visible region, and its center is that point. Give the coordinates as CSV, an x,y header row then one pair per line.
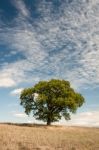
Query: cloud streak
x,y
20,6
20,115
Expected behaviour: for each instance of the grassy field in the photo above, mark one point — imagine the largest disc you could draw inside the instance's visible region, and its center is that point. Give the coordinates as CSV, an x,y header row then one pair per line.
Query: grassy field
x,y
24,137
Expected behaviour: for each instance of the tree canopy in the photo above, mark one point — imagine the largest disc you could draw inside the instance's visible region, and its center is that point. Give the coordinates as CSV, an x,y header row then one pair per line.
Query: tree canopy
x,y
51,100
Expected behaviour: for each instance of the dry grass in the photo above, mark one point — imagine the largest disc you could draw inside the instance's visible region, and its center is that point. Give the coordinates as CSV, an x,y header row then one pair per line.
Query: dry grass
x,y
16,137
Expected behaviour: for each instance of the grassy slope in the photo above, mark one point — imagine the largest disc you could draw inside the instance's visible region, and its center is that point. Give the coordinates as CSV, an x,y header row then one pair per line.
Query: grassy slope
x,y
16,137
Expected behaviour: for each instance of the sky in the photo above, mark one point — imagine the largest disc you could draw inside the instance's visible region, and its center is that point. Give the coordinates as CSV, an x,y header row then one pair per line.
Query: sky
x,y
45,39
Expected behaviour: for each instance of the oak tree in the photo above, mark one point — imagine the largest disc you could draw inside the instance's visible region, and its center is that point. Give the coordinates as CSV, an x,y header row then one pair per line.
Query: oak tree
x,y
51,100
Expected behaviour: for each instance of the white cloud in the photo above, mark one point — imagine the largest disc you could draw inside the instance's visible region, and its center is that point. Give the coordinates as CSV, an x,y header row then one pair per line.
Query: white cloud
x,y
16,91
10,75
59,45
90,119
87,119
20,115
7,82
30,121
20,5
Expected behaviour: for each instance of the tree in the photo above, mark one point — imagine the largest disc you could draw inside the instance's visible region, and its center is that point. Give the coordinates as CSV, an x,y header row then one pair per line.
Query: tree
x,y
51,100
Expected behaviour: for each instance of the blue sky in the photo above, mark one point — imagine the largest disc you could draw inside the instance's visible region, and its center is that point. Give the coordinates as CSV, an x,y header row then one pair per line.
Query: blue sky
x,y
44,39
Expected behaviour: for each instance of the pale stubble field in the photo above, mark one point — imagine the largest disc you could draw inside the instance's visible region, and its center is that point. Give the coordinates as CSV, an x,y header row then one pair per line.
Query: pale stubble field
x,y
17,137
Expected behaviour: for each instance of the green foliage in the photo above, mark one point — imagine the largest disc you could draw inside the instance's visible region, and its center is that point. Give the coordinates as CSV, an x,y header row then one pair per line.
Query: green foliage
x,y
55,98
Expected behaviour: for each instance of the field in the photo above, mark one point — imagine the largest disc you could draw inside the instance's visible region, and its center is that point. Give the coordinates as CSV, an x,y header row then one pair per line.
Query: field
x,y
33,137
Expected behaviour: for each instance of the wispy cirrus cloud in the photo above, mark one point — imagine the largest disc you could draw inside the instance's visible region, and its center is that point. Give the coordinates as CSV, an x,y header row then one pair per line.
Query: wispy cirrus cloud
x,y
63,42
21,7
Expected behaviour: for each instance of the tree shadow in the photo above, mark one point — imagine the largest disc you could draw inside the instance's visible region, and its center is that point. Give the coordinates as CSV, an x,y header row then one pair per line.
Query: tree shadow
x,y
25,124
34,125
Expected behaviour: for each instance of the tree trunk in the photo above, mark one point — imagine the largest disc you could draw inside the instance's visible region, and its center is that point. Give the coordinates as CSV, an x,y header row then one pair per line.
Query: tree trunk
x,y
48,122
